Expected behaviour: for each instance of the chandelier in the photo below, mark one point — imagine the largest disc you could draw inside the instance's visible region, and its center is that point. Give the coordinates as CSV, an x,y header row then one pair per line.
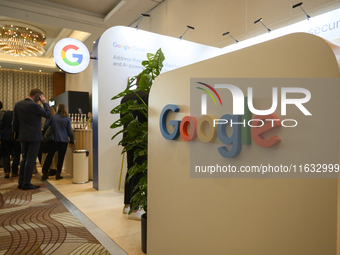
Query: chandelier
x,y
21,40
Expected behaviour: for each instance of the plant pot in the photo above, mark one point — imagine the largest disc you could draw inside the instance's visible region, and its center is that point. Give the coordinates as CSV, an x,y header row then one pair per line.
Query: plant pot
x,y
144,232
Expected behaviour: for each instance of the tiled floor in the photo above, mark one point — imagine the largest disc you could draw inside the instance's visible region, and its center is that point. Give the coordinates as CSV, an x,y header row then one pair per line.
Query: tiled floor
x,y
104,209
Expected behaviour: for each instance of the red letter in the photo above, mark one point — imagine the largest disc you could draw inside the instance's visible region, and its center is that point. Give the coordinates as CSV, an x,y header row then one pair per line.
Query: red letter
x,y
184,128
257,132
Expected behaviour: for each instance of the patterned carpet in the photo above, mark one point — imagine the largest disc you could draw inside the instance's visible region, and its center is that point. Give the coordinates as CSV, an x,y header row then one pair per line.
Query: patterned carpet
x,y
35,222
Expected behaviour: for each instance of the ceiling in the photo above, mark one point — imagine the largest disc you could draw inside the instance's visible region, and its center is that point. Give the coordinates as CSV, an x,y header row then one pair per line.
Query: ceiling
x,y
84,20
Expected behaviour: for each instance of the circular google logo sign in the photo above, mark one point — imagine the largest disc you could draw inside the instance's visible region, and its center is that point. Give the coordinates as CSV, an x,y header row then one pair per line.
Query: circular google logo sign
x,y
71,55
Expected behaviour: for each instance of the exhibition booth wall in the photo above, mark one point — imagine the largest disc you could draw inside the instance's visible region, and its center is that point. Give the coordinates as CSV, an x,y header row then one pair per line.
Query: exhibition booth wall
x,y
118,54
285,215
269,215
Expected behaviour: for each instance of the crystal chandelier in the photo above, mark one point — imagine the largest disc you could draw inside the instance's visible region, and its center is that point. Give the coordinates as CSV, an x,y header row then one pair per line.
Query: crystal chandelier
x,y
21,40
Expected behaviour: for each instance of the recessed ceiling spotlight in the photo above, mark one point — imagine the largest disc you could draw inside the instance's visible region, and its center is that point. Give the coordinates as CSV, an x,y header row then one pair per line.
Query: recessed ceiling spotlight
x,y
20,68
39,71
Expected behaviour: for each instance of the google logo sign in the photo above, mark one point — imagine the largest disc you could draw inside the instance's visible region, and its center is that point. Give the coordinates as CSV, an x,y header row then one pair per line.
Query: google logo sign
x,y
241,121
71,55
128,47
78,56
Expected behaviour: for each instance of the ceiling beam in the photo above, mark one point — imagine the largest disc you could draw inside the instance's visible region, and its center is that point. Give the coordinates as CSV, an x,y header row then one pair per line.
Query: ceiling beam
x,y
114,10
64,33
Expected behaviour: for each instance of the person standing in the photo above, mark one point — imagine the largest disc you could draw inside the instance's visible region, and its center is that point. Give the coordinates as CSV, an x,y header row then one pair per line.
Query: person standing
x,y
27,128
1,150
44,145
129,189
88,124
10,146
1,111
62,130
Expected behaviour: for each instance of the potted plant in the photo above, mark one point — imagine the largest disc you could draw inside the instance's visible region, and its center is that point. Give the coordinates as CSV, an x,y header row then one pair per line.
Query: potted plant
x,y
135,132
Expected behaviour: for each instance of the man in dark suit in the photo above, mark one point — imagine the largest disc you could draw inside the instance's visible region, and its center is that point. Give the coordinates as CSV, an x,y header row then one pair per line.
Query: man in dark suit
x,y
10,146
27,128
1,147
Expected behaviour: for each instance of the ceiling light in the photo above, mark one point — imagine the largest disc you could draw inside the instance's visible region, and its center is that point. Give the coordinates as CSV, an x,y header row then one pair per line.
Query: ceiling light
x,y
18,42
188,27
299,5
260,20
142,15
227,33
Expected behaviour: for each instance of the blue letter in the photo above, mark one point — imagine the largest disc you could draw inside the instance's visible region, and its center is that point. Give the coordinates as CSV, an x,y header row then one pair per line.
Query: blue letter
x,y
235,138
175,123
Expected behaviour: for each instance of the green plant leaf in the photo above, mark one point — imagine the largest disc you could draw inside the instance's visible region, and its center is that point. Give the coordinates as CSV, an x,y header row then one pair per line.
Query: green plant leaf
x,y
122,94
135,169
119,108
160,59
145,82
149,56
139,199
121,131
137,107
135,133
140,152
120,122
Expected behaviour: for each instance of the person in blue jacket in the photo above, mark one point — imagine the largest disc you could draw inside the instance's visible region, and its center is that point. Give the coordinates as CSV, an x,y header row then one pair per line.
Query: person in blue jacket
x,y
62,131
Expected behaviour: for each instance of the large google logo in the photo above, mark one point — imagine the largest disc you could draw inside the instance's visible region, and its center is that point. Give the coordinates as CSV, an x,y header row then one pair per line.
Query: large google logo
x,y
241,120
71,55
